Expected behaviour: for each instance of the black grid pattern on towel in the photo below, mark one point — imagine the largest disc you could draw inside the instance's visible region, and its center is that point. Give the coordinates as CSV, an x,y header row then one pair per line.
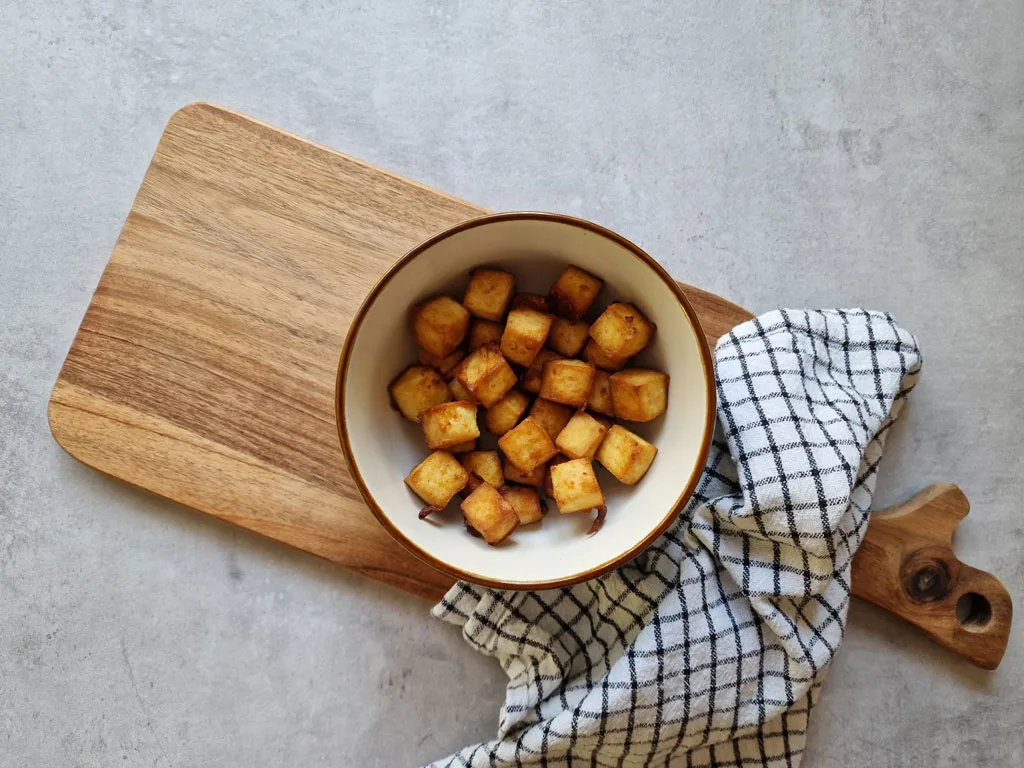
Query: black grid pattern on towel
x,y
710,648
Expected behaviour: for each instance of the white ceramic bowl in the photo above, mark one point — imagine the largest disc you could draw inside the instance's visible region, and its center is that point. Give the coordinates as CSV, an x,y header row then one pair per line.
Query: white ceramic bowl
x,y
382,447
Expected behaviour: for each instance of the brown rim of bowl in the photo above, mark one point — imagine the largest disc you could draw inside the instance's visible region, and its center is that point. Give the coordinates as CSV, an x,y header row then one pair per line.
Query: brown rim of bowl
x,y
676,507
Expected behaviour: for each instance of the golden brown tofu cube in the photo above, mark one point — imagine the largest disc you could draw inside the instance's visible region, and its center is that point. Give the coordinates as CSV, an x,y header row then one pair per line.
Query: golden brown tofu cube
x,y
488,293
486,465
548,489
552,416
568,337
567,381
639,394
483,332
575,486
437,478
531,379
439,326
489,514
599,398
573,293
625,455
581,436
466,447
443,365
526,330
621,331
514,474
459,391
529,301
506,413
527,445
486,374
525,501
592,353
416,389
449,424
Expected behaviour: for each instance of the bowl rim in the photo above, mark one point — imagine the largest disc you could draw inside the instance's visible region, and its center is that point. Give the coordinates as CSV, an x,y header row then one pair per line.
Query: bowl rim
x,y
676,506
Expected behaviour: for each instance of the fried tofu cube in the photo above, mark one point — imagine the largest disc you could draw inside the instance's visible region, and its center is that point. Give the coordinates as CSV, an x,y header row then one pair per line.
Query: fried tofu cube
x,y
639,394
443,365
488,293
567,381
525,501
581,436
567,337
466,447
621,331
552,416
437,478
592,353
439,326
459,391
449,424
573,293
548,489
527,445
529,301
514,474
483,332
486,465
575,486
532,378
486,374
626,455
526,330
416,389
599,399
506,413
489,514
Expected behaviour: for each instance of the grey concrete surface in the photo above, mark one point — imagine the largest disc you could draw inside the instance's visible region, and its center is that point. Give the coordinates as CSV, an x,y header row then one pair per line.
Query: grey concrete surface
x,y
808,153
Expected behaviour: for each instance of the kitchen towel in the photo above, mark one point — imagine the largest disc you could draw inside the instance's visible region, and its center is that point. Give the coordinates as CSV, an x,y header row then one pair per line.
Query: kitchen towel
x,y
711,647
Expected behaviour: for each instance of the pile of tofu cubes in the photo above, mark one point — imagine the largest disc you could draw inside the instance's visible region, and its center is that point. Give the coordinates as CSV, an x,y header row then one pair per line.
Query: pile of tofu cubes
x,y
549,383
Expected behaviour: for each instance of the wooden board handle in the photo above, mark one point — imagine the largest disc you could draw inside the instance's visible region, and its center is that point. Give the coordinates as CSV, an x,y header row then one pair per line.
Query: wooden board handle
x,y
907,566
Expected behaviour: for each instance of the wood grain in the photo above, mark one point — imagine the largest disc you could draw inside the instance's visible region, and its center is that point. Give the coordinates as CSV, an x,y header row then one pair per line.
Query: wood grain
x,y
204,368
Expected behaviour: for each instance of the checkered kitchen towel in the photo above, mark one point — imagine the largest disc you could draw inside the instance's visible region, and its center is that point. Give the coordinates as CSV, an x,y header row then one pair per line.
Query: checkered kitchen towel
x,y
710,648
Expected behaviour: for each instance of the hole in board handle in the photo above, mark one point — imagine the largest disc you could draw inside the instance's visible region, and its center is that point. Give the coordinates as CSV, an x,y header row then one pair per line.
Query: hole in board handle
x,y
973,611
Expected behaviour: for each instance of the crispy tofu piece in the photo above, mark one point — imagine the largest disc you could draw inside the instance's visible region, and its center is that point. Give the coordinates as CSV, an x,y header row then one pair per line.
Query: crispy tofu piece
x,y
525,501
599,399
592,353
449,424
529,301
527,445
526,330
459,391
626,455
573,293
532,378
639,394
486,374
575,486
552,416
567,337
466,447
489,514
581,436
514,474
443,365
488,293
437,478
548,489
567,381
506,413
486,465
439,325
416,389
483,332
621,331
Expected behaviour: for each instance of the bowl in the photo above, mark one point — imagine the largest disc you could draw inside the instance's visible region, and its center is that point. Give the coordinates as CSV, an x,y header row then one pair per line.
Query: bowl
x,y
381,447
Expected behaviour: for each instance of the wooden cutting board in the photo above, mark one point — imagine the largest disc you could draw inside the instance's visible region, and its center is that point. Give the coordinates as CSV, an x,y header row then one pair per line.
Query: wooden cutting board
x,y
204,368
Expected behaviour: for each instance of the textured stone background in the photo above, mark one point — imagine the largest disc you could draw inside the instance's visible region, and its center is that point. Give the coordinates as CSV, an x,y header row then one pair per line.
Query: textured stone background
x,y
802,154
